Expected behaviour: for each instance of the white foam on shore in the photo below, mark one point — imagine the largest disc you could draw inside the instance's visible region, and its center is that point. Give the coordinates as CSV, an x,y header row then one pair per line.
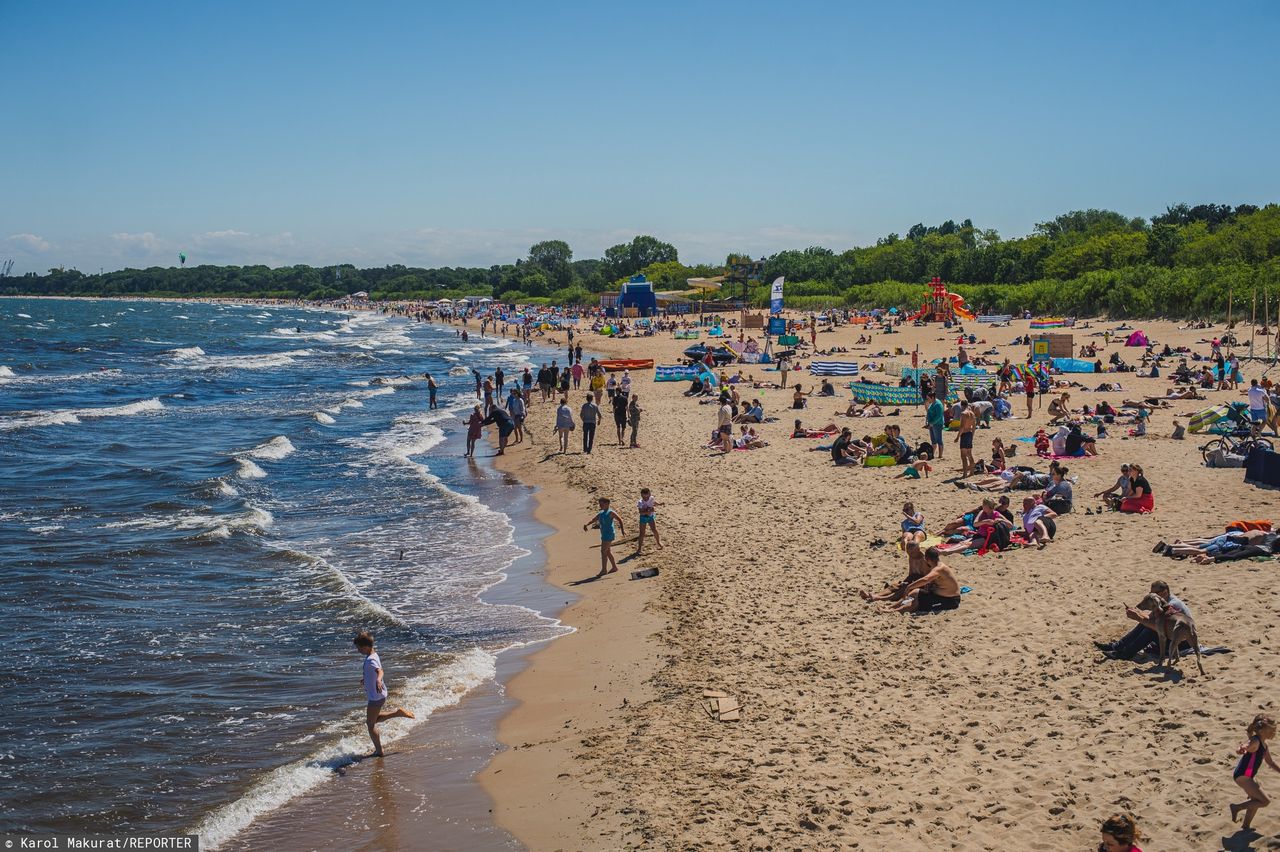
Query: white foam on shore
x,y
423,695
73,416
277,448
5,372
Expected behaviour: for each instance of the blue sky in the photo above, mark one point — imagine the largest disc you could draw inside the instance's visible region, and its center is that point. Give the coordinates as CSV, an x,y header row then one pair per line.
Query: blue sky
x,y
459,134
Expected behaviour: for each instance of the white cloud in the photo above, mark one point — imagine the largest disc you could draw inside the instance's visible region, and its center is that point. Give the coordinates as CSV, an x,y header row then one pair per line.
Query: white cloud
x,y
32,243
413,247
145,244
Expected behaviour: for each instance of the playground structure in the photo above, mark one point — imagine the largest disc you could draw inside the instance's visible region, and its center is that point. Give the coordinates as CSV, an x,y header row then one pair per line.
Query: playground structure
x,y
941,306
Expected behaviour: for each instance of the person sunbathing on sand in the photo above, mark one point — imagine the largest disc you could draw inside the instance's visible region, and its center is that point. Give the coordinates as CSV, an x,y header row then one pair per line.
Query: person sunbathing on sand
x,y
913,470
936,591
1037,522
967,520
916,569
912,524
800,432
749,440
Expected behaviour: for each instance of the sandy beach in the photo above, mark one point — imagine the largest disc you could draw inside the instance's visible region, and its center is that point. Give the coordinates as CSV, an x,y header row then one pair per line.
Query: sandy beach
x,y
998,722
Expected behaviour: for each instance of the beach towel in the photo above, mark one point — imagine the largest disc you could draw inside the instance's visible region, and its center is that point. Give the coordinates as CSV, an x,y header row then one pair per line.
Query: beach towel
x,y
1048,322
676,373
688,334
832,368
1056,456
884,395
931,541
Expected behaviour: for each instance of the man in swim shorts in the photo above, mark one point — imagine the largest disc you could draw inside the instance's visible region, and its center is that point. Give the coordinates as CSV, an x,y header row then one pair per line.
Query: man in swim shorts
x,y
936,591
968,425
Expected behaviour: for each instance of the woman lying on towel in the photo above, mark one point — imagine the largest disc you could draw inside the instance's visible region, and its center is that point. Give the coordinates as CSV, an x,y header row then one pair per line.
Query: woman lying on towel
x,y
800,432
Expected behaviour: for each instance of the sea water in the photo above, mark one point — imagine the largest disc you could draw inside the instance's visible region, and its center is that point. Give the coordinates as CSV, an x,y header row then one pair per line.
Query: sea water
x,y
200,505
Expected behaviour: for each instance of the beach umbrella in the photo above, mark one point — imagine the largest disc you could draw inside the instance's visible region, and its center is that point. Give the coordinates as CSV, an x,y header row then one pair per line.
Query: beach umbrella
x,y
1204,419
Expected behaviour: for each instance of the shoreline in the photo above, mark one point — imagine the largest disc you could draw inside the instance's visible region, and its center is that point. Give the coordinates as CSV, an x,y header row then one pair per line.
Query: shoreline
x,y
572,686
428,784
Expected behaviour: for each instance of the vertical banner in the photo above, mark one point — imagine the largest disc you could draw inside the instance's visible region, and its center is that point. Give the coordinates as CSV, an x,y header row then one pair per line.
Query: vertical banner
x,y
775,296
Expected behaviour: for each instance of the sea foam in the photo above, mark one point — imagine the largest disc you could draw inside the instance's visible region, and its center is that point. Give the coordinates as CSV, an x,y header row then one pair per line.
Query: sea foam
x,y
441,687
277,448
73,416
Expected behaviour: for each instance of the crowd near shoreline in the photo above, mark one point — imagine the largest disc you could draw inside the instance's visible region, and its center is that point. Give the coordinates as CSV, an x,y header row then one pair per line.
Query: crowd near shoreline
x,y
1041,689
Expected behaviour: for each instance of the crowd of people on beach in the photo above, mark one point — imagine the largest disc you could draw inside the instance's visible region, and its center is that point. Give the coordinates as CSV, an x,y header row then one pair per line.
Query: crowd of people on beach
x,y
954,412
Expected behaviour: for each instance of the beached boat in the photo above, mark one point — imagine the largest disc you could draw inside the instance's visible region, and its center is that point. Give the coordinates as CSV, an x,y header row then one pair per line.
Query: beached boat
x,y
616,364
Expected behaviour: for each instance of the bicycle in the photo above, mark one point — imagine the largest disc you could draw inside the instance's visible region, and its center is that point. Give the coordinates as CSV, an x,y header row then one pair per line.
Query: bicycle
x,y
1236,445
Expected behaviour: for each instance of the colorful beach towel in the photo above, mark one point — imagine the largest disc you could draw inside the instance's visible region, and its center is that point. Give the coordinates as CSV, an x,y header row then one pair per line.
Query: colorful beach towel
x,y
883,395
1048,322
677,373
832,368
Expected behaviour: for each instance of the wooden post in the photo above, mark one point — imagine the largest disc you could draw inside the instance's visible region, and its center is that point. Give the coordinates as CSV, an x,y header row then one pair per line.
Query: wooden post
x,y
1266,314
1253,323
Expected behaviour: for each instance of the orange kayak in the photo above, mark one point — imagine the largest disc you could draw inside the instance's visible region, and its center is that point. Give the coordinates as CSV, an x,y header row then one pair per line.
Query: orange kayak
x,y
617,364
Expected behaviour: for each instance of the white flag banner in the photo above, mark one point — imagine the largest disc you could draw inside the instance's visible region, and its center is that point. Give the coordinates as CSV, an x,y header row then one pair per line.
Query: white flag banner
x,y
775,295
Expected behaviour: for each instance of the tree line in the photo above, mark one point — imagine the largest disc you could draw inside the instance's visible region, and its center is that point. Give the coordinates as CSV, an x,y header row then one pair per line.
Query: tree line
x,y
1184,262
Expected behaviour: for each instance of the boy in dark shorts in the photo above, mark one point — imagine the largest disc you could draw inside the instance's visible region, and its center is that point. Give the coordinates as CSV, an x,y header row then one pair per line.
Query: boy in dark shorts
x,y
936,591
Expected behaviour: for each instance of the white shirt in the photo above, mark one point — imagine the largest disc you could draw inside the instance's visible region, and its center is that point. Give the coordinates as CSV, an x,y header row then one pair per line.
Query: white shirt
x,y
726,416
1030,517
372,665
1257,397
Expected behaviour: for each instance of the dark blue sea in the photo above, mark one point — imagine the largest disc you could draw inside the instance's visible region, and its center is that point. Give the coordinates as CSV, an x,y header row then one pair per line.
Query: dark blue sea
x,y
200,505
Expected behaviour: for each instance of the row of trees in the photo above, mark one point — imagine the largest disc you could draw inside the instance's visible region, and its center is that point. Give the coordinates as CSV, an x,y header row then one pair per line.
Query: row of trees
x,y
1181,262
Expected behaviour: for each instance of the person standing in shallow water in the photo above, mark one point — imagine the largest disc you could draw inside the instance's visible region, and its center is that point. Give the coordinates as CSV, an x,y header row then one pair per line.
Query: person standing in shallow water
x,y
375,692
432,389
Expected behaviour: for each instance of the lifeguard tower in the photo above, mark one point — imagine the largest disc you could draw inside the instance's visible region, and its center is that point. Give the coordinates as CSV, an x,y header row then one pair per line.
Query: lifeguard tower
x,y
941,306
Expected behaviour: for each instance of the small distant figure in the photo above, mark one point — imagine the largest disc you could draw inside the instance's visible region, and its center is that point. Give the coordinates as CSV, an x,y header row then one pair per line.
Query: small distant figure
x,y
604,521
1120,834
375,690
1253,753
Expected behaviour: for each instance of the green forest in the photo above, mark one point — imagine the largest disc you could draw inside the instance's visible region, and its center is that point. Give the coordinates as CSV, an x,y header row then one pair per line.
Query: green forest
x,y
1186,262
